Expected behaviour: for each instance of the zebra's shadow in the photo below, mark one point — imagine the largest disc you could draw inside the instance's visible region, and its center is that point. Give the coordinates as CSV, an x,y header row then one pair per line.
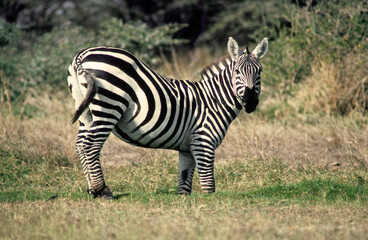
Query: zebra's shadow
x,y
118,196
162,192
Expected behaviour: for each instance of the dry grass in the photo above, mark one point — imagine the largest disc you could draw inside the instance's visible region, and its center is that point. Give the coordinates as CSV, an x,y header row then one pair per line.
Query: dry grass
x,y
48,134
184,219
333,88
325,143
319,92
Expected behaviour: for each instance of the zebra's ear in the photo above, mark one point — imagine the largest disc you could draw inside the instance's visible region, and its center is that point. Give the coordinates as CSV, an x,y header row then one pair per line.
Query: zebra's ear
x,y
261,49
233,48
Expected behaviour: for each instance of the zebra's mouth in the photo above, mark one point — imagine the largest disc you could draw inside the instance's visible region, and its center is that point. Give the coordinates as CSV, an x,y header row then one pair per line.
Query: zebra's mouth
x,y
250,100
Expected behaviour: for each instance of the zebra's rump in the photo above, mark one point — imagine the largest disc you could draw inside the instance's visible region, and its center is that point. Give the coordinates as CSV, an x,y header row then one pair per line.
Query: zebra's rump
x,y
148,109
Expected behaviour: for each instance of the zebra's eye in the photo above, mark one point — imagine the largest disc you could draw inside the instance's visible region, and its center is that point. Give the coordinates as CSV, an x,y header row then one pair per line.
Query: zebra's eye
x,y
237,72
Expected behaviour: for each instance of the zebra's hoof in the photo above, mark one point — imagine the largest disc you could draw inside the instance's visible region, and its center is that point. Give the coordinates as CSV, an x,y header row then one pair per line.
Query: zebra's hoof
x,y
184,192
208,191
105,193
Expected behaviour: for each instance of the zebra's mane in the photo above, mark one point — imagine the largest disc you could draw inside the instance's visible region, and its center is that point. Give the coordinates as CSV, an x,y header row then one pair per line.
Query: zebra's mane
x,y
224,61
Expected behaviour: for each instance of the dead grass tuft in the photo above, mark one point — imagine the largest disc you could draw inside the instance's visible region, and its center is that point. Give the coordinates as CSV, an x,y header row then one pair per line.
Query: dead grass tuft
x,y
319,92
299,144
48,132
352,77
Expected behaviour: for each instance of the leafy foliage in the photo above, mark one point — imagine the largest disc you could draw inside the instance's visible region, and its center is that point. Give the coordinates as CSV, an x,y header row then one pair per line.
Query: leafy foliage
x,y
44,62
240,19
330,32
138,37
9,33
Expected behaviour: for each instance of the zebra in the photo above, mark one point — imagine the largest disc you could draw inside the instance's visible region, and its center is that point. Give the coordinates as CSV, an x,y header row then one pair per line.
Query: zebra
x,y
115,92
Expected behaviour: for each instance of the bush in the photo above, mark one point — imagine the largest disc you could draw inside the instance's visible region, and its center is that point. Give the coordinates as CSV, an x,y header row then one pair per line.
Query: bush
x,y
10,38
42,63
45,62
239,19
139,38
328,33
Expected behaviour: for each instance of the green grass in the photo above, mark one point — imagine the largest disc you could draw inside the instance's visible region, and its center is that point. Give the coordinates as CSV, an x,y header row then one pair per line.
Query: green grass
x,y
254,200
318,190
29,177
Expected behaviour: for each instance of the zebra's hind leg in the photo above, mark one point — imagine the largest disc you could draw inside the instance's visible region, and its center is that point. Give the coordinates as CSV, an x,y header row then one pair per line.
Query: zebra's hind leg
x,y
186,171
89,147
82,156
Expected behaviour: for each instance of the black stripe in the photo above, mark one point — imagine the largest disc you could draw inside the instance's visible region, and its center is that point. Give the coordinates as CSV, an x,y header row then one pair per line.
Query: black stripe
x,y
100,123
104,115
218,68
124,136
107,105
214,127
113,96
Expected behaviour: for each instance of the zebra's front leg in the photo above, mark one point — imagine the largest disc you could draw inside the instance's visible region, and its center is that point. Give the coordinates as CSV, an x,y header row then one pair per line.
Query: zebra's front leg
x,y
204,158
186,172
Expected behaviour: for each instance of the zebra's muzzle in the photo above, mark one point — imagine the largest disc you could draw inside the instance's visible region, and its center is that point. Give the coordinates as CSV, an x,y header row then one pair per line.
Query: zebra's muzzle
x,y
250,100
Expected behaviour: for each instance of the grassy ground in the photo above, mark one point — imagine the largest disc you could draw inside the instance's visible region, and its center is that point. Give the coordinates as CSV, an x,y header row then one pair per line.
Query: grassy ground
x,y
183,218
281,173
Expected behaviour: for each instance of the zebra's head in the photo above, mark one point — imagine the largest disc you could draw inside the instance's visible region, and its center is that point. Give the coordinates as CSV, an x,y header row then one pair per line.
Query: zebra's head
x,y
246,73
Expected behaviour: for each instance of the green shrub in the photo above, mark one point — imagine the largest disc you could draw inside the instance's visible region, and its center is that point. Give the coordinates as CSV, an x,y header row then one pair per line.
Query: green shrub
x,y
9,33
239,19
11,37
139,38
331,32
44,62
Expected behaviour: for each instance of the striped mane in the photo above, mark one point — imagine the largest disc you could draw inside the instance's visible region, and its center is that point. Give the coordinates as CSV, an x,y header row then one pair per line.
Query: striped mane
x,y
221,64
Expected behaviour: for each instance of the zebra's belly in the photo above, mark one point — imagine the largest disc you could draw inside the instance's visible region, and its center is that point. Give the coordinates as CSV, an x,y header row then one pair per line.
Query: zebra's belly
x,y
151,137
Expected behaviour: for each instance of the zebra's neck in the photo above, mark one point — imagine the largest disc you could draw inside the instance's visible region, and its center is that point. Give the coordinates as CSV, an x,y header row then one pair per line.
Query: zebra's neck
x,y
216,68
218,89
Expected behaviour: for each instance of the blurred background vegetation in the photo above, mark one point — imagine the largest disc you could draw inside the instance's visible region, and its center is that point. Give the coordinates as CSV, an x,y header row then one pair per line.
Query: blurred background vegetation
x,y
317,55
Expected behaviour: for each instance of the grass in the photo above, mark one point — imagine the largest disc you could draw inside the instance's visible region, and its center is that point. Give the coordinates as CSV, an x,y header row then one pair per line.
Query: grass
x,y
185,219
285,172
284,203
255,199
28,178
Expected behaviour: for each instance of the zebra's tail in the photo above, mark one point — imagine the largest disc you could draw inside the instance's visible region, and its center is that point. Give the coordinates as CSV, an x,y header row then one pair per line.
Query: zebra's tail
x,y
91,92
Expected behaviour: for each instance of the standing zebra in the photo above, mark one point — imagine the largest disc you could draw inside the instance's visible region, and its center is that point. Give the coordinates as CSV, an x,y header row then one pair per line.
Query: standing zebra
x,y
115,92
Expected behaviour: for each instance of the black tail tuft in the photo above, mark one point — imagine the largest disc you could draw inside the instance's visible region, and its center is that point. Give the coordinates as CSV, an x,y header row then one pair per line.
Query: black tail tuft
x,y
91,92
